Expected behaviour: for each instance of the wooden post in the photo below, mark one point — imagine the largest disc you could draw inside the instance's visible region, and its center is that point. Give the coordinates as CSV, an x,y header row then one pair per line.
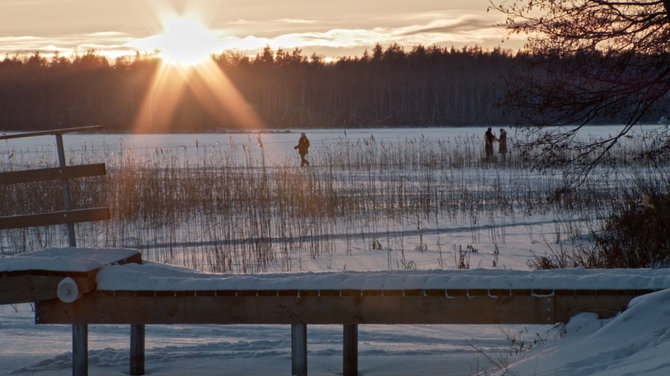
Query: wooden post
x,y
350,350
299,349
137,332
79,350
79,331
66,188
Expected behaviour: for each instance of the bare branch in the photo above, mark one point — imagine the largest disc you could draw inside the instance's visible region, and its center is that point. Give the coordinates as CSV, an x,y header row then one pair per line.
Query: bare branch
x,y
588,60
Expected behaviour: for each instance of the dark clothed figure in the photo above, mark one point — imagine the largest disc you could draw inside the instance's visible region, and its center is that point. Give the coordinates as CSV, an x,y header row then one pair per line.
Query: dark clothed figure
x,y
303,145
488,147
502,144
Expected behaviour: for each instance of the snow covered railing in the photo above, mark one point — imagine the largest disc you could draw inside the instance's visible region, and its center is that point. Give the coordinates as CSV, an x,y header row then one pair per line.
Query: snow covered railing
x,y
159,294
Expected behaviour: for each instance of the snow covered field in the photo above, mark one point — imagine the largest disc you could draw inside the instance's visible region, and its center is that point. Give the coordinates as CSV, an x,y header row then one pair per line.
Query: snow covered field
x,y
635,343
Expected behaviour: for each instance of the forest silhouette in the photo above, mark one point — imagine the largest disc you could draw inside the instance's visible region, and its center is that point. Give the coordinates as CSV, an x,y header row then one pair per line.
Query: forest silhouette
x,y
427,86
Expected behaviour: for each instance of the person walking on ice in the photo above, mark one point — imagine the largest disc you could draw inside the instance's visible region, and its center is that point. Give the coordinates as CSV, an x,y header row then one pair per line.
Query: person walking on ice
x,y
303,145
489,138
502,144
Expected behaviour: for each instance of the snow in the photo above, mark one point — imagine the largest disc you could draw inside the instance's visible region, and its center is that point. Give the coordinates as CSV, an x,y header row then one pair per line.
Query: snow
x,y
66,259
636,342
160,277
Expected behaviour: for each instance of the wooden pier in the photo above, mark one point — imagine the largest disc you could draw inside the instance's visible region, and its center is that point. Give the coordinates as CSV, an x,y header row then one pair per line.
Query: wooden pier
x,y
119,289
452,306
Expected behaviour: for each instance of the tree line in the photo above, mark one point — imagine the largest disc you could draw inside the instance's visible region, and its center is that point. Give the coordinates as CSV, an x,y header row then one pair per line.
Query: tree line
x,y
426,86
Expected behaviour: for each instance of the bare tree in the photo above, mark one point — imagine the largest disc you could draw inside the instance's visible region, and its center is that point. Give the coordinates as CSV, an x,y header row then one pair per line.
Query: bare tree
x,y
589,61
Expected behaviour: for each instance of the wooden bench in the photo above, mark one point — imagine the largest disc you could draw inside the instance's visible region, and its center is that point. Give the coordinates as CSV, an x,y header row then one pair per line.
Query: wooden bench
x,y
68,217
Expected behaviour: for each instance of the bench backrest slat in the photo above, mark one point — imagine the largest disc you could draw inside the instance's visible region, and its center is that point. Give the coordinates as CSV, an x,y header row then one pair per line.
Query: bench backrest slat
x,y
68,172
54,218
50,132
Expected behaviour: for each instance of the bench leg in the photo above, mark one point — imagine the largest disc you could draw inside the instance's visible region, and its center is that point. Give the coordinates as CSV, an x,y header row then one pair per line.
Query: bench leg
x,y
137,332
350,350
299,349
79,350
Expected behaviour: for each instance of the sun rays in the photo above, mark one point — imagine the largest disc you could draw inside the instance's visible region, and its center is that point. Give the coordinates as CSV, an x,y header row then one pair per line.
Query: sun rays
x,y
185,48
161,100
220,97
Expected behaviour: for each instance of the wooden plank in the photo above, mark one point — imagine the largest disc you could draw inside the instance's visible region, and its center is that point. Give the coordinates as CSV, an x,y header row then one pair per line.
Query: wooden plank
x,y
16,289
54,218
54,173
609,303
25,288
52,132
467,308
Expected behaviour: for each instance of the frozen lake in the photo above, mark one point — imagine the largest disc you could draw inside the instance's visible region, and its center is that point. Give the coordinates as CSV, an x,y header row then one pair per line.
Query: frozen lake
x,y
277,145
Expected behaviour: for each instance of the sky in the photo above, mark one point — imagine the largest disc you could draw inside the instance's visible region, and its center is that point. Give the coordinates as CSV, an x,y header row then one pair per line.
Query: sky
x,y
330,28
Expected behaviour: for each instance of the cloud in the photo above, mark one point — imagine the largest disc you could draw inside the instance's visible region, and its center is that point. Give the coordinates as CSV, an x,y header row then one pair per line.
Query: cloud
x,y
425,29
462,30
110,42
466,23
108,34
428,16
241,21
296,21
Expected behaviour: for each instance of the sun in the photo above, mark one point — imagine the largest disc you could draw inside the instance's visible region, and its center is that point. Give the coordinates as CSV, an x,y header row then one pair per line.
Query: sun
x,y
185,41
186,46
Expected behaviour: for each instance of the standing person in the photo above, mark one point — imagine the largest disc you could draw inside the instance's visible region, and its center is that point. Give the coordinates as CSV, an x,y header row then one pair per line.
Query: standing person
x,y
488,147
502,144
303,145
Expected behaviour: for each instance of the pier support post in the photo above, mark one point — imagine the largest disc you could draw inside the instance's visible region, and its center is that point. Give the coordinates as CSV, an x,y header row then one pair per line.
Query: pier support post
x,y
80,350
350,350
137,332
299,349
